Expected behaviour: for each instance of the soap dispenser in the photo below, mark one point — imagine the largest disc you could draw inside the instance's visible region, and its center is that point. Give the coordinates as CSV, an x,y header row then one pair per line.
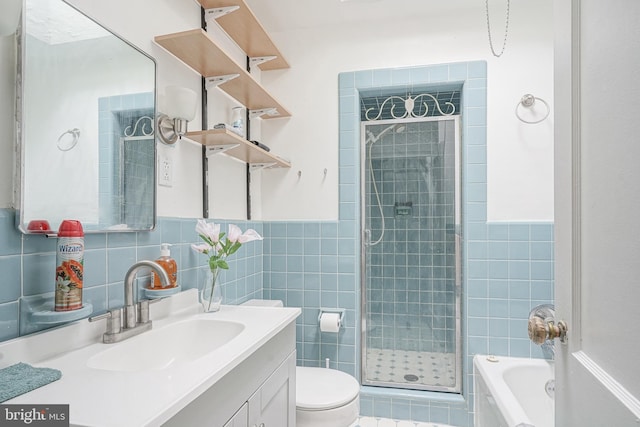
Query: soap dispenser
x,y
169,265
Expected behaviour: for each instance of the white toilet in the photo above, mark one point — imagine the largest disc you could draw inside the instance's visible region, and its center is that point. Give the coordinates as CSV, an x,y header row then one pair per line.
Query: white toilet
x,y
324,397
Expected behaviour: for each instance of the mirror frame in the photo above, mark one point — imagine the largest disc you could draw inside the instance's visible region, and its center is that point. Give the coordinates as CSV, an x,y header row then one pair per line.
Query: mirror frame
x,y
19,171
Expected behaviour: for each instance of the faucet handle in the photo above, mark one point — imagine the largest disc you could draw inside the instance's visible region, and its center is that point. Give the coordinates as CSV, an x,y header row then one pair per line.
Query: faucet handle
x,y
114,320
143,308
100,317
143,311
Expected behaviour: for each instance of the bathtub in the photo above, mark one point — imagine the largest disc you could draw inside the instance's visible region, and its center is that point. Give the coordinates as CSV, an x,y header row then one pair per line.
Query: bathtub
x,y
513,392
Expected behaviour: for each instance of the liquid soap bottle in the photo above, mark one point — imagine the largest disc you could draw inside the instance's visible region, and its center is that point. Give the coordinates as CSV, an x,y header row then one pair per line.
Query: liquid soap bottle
x,y
169,265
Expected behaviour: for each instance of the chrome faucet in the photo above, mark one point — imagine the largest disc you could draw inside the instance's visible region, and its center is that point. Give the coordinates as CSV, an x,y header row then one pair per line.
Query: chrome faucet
x,y
134,316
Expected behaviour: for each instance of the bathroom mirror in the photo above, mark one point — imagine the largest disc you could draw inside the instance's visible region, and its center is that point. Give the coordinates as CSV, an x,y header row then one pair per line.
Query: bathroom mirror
x,y
86,108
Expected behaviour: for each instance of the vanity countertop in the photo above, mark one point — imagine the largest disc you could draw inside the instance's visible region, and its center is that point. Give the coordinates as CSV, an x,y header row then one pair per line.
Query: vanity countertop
x,y
99,397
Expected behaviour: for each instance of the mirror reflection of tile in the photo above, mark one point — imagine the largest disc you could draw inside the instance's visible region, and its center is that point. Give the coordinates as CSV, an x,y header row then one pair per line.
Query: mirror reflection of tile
x,y
127,160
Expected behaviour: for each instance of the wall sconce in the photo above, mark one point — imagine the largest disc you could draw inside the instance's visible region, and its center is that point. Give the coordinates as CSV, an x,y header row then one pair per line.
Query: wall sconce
x,y
10,17
180,109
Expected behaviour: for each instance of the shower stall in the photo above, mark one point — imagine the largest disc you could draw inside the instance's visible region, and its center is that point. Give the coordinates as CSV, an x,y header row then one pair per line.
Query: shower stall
x,y
411,261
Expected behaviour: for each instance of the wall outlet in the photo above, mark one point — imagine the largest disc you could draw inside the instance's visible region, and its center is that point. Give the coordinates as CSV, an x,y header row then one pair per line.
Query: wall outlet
x,y
165,171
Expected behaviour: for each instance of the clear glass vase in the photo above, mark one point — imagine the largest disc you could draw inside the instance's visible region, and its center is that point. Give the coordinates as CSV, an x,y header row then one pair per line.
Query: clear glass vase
x,y
211,292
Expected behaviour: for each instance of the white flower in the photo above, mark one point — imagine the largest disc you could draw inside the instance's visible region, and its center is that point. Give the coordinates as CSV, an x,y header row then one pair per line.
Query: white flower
x,y
218,249
208,229
203,248
249,236
236,235
62,284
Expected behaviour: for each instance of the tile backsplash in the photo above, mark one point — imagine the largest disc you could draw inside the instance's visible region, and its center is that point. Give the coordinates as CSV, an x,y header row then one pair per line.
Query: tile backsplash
x,y
28,264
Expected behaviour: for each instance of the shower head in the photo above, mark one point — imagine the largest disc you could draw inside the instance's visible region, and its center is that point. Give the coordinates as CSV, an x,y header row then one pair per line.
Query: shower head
x,y
371,138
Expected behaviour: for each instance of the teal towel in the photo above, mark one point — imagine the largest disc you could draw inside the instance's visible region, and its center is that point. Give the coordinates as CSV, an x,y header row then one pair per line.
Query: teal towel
x,y
22,378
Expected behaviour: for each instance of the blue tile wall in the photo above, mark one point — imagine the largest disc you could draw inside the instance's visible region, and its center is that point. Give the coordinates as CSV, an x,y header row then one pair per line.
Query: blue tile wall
x,y
28,263
507,267
312,265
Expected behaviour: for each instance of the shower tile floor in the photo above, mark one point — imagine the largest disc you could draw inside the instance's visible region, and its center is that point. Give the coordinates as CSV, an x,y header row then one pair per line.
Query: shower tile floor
x,y
386,422
411,367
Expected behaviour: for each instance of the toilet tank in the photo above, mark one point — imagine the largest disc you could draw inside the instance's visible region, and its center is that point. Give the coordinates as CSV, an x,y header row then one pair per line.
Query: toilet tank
x,y
264,303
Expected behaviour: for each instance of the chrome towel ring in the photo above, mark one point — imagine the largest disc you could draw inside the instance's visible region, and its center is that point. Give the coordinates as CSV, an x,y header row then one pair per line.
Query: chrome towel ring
x,y
528,101
66,144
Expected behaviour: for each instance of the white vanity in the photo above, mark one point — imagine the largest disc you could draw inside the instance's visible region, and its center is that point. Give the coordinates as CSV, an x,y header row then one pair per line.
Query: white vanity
x,y
233,368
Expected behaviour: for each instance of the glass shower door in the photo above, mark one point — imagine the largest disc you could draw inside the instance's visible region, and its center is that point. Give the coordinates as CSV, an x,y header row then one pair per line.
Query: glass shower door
x,y
411,272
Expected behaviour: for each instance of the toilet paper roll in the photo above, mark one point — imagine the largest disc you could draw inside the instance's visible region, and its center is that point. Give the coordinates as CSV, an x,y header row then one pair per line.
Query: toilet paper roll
x,y
330,322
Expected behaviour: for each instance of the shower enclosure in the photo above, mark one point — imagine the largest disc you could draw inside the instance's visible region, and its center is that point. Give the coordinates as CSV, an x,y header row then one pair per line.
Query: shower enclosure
x,y
410,177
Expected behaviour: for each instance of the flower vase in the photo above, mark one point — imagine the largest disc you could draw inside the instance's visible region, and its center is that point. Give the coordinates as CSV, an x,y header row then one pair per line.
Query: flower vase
x,y
211,292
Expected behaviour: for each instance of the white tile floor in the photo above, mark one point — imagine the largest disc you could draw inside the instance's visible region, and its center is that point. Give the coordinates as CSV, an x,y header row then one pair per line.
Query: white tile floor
x,y
386,422
411,367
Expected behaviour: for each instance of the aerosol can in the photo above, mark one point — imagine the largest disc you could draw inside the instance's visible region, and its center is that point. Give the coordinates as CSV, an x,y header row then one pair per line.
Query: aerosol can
x,y
69,266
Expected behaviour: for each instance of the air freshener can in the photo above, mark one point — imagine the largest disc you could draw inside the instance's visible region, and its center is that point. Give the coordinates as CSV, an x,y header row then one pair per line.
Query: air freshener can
x,y
69,266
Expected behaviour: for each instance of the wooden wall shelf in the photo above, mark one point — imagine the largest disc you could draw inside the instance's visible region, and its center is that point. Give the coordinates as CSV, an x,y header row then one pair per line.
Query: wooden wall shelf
x,y
245,29
245,150
200,52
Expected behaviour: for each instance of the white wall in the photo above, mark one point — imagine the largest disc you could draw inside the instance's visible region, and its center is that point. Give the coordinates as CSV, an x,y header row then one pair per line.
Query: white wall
x,y
520,157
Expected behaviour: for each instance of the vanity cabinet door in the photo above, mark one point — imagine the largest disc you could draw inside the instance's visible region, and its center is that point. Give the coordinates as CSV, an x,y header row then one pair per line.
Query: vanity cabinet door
x,y
240,418
274,404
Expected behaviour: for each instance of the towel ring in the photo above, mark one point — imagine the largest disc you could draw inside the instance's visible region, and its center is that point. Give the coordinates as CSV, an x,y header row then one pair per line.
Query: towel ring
x,y
75,135
528,101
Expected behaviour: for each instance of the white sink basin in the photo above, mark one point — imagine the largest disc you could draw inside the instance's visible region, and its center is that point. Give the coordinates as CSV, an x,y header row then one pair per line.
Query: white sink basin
x,y
169,346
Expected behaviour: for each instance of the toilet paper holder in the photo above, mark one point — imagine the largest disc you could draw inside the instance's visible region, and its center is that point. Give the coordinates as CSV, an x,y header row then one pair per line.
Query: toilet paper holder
x,y
339,311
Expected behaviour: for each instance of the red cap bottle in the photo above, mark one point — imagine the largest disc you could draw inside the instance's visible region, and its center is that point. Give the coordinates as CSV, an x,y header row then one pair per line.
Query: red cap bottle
x,y
70,228
69,266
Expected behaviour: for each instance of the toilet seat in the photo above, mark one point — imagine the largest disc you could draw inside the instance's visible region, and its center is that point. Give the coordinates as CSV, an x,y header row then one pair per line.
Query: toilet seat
x,y
319,389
